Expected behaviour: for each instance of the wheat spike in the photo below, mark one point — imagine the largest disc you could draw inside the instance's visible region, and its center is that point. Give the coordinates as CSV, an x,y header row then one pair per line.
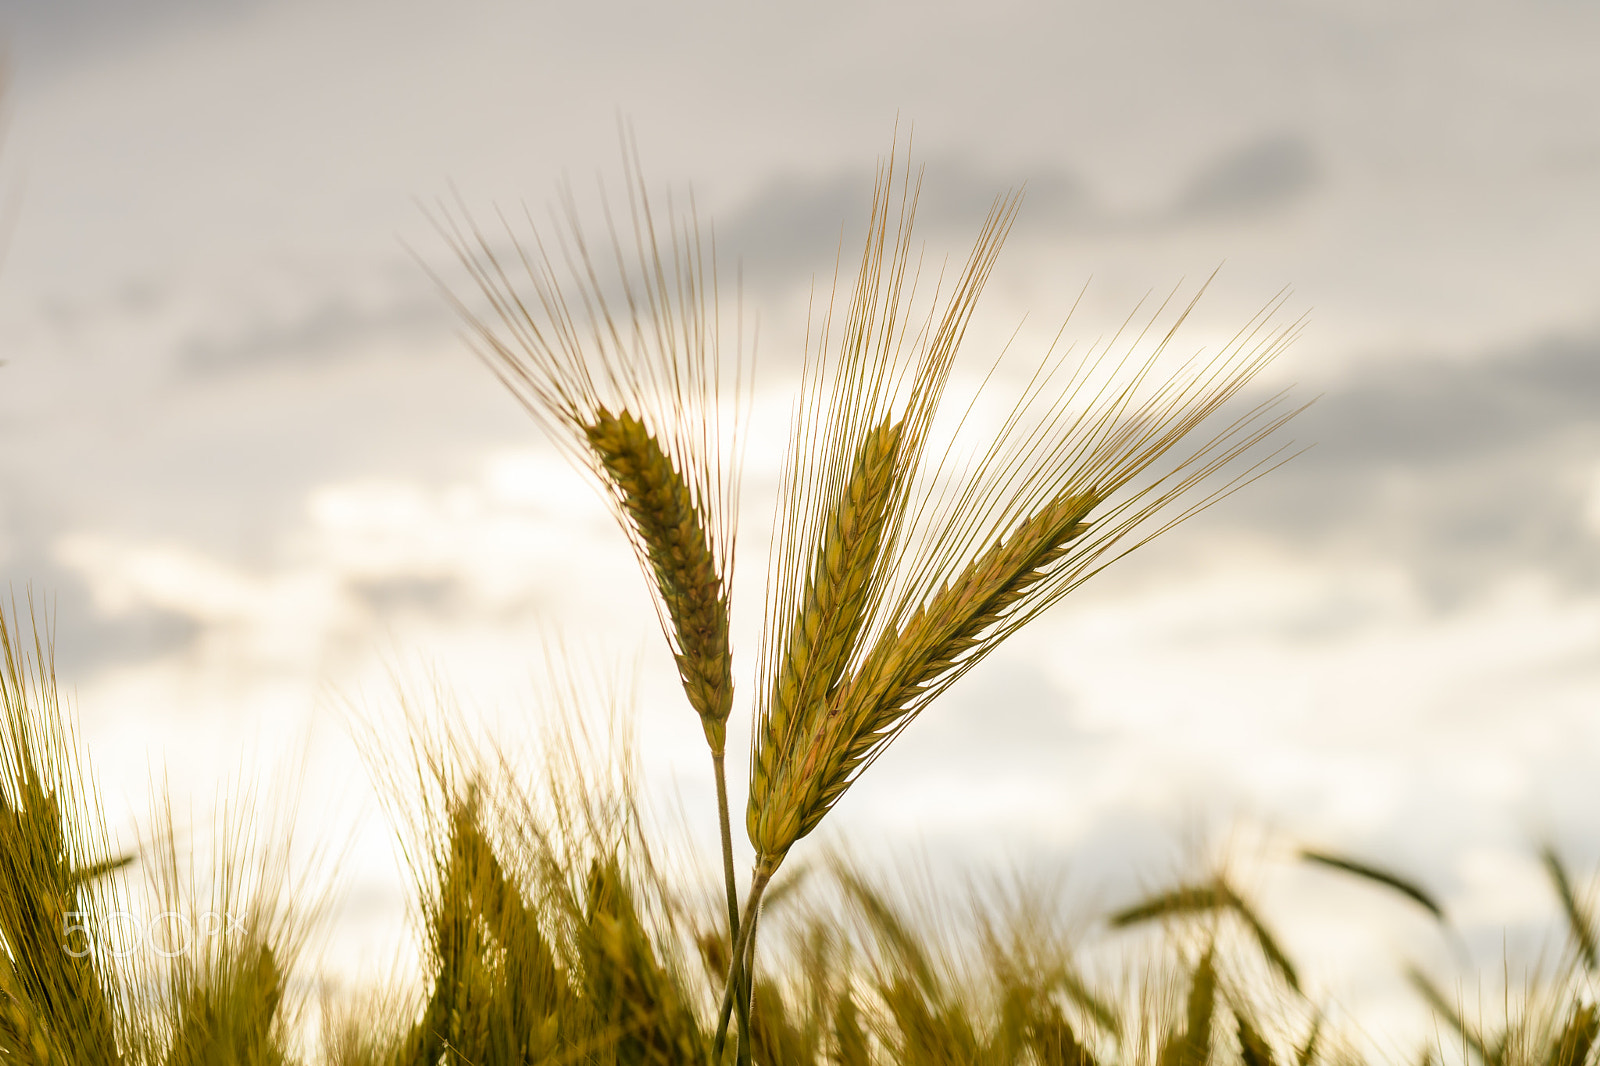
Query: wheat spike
x,y
672,530
822,639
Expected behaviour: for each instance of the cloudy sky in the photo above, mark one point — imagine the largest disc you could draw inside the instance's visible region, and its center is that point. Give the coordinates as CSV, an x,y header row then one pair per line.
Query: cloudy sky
x,y
246,456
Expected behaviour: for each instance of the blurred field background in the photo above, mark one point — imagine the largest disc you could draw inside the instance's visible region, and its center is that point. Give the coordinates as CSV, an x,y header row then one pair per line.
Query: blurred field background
x,y
246,455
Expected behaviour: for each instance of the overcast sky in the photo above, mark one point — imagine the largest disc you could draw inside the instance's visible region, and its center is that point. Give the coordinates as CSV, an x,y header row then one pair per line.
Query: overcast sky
x,y
247,457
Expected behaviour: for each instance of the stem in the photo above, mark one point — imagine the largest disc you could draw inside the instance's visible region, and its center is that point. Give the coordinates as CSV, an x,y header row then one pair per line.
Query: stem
x,y
727,847
736,968
746,987
743,1002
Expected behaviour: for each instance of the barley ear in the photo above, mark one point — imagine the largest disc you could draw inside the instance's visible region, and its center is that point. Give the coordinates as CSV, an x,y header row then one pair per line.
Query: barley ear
x,y
907,667
671,530
842,582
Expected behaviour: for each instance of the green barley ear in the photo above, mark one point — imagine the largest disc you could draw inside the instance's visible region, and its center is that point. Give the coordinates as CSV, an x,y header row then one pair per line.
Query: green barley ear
x,y
886,589
227,993
634,996
25,1036
496,987
906,667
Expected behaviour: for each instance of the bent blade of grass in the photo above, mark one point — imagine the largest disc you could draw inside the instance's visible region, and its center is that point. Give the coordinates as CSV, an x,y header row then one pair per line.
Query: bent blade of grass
x,y
1378,876
1580,923
1187,900
1271,950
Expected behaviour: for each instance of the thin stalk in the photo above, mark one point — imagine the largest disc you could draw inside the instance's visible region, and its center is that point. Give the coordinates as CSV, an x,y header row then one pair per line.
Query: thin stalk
x,y
717,759
736,967
746,986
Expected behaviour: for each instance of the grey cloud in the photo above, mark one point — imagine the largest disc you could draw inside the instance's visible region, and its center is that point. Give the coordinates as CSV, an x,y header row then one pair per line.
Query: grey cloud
x,y
57,29
334,328
1262,175
434,596
87,641
793,227
1006,718
1463,472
